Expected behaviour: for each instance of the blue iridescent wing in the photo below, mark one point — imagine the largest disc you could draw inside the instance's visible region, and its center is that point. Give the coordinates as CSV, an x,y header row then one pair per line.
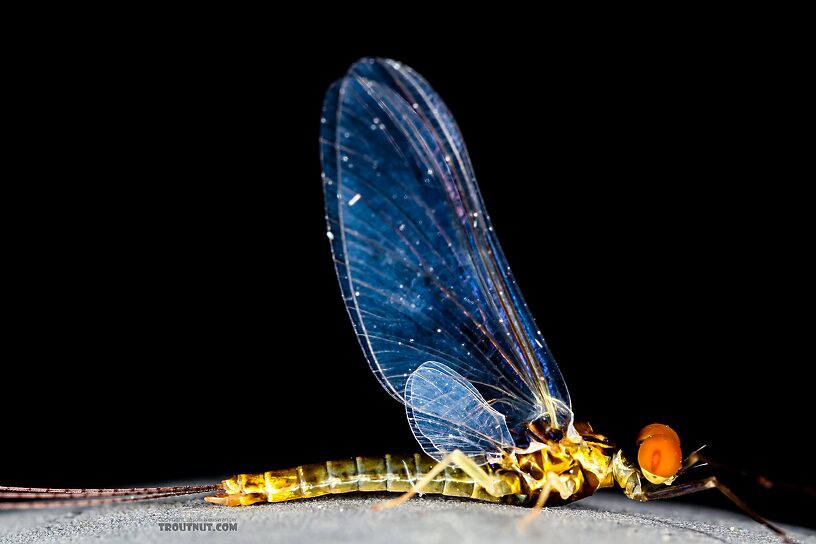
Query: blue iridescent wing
x,y
446,413
421,271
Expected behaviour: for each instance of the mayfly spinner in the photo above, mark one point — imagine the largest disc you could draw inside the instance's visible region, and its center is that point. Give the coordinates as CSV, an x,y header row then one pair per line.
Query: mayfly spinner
x,y
444,328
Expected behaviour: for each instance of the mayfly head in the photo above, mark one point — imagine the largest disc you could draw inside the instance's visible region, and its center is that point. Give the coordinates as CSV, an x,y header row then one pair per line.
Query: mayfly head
x,y
659,454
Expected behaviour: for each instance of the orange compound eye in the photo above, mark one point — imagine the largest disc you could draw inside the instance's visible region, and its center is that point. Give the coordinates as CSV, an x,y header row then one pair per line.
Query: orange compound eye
x,y
657,428
659,455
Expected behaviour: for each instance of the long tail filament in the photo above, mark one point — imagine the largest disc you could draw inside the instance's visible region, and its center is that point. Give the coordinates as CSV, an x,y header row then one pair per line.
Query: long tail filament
x,y
25,498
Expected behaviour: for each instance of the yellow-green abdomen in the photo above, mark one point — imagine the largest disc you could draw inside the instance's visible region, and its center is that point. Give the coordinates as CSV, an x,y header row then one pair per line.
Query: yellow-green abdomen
x,y
397,473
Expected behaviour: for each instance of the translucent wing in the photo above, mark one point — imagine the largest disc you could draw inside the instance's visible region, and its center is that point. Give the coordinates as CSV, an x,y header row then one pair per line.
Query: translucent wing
x,y
421,271
446,412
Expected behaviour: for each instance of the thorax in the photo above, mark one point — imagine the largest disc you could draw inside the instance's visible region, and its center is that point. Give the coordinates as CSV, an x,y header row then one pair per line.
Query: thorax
x,y
580,467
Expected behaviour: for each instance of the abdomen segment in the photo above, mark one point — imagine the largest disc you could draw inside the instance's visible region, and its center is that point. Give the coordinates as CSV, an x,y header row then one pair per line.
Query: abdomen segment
x,y
397,473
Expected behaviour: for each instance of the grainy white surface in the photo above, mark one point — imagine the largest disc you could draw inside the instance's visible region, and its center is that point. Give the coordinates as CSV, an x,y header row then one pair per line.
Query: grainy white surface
x,y
427,520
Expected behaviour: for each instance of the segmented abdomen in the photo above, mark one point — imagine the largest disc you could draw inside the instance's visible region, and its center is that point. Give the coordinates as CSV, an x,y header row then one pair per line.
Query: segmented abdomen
x,y
397,473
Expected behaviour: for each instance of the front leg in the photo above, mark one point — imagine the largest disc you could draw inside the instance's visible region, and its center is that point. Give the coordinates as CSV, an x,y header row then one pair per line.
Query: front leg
x,y
711,483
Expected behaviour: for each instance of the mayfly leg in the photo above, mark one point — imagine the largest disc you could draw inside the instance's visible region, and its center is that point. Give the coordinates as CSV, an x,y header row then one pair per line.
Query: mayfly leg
x,y
456,457
552,483
712,483
696,459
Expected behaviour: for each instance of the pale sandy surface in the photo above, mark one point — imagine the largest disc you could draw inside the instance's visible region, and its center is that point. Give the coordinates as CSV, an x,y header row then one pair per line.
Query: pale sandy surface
x,y
429,520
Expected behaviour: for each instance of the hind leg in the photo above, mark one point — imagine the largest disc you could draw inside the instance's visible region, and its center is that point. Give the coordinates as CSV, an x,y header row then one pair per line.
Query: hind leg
x,y
457,458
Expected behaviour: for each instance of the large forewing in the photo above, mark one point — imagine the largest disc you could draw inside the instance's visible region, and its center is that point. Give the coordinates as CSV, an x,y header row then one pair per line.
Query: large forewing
x,y
447,413
421,272
536,363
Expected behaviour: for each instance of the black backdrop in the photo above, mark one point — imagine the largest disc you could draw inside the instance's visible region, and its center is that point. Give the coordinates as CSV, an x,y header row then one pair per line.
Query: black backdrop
x,y
170,306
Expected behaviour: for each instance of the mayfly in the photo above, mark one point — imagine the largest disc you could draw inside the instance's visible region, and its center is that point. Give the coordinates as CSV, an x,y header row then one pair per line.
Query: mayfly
x,y
443,326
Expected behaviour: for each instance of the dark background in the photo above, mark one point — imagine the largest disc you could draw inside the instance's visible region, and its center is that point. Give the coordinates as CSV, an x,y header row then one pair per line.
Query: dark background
x,y
170,308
